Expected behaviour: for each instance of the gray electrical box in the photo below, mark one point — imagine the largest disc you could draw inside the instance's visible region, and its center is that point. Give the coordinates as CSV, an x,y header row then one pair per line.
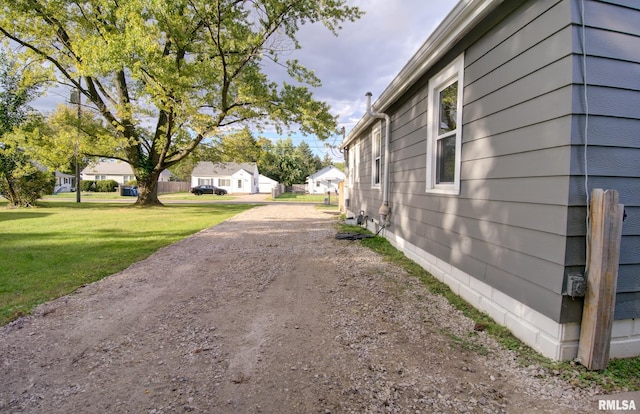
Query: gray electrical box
x,y
576,285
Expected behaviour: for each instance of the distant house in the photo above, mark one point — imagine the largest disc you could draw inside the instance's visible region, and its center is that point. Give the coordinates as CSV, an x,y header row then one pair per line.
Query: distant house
x,y
266,184
64,183
119,171
479,157
326,179
232,176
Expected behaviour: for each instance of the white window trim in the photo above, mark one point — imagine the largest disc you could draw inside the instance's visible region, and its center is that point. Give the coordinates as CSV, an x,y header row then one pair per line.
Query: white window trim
x,y
351,153
356,163
453,72
376,135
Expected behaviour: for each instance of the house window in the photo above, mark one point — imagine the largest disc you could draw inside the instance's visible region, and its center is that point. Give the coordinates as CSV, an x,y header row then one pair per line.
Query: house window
x,y
356,165
101,177
239,183
444,132
224,182
350,163
376,138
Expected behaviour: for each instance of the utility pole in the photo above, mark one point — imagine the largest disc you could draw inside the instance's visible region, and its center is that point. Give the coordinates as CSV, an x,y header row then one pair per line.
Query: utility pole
x,y
75,99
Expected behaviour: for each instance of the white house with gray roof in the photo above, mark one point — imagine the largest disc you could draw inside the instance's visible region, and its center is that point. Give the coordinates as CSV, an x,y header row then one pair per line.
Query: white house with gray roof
x,y
232,176
326,179
119,171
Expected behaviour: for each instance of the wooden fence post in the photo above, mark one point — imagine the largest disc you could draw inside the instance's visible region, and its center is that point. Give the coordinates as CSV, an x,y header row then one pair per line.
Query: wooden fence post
x,y
603,246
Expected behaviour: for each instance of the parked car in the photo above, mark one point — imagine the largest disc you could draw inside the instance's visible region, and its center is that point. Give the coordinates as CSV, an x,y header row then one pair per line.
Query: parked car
x,y
208,189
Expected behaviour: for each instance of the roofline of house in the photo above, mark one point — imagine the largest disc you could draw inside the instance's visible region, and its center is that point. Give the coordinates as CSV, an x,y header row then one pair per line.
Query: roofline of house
x,y
464,17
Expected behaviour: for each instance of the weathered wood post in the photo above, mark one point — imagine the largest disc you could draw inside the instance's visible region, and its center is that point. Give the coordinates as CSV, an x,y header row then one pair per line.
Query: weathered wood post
x,y
603,247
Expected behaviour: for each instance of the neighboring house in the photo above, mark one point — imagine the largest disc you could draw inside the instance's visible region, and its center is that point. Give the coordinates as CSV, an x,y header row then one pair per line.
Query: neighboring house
x,y
480,173
324,180
233,177
65,183
266,184
119,171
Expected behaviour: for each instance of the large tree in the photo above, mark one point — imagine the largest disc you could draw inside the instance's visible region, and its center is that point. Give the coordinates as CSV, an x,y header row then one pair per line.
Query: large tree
x,y
166,74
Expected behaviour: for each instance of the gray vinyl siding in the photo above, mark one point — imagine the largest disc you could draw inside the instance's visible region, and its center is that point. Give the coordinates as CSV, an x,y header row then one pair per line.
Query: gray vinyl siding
x,y
613,154
508,225
518,222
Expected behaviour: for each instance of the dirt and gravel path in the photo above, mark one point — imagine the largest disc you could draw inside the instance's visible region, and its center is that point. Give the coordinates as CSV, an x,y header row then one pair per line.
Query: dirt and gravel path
x,y
264,313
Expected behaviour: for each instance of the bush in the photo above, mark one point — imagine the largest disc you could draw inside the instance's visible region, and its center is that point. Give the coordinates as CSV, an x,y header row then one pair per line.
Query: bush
x,y
87,185
26,185
106,186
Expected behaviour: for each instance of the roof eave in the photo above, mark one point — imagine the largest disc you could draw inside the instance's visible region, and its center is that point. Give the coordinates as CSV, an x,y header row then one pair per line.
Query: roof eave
x,y
464,17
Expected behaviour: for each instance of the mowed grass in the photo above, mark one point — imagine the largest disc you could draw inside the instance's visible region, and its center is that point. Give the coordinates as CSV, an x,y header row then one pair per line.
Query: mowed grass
x,y
51,250
307,198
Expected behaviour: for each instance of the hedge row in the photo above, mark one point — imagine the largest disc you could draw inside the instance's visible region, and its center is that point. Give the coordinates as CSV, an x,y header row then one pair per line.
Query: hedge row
x,y
100,186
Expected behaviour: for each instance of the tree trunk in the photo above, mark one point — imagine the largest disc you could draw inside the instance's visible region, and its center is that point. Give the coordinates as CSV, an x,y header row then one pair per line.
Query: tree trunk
x,y
12,197
148,191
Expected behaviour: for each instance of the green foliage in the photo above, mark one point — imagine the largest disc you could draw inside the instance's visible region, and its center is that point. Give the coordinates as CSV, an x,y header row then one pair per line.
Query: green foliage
x,y
189,69
21,181
106,186
235,146
288,164
87,185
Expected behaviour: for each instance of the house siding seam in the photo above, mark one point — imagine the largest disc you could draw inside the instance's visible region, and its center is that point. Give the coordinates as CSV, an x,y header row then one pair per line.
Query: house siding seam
x,y
613,152
508,241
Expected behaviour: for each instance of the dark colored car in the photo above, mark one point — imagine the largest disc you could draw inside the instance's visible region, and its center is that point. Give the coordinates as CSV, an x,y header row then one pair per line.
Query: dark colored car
x,y
208,189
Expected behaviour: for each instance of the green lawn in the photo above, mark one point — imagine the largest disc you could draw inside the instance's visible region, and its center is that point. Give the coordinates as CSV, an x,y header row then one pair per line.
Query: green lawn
x,y
307,198
53,249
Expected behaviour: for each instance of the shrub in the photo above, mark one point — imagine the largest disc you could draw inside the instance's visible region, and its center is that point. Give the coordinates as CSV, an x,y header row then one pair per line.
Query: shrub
x,y
26,184
87,185
106,186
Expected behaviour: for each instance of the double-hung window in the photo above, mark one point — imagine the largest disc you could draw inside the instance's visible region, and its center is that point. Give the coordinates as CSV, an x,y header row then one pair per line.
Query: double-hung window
x,y
444,132
376,145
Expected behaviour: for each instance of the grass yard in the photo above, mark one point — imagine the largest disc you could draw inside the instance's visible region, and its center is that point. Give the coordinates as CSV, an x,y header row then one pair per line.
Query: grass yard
x,y
307,198
51,250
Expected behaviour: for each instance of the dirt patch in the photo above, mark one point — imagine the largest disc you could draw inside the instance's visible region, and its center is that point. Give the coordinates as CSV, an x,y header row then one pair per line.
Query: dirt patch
x,y
265,312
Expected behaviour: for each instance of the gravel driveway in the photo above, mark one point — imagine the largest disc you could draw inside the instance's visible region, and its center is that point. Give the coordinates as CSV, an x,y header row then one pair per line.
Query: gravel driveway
x,y
264,313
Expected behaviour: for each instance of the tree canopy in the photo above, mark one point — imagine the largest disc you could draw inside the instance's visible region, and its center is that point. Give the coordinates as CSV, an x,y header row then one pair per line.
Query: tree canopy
x,y
21,181
161,76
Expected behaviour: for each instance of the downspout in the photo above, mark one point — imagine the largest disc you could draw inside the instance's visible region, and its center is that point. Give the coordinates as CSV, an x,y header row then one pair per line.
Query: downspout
x,y
384,208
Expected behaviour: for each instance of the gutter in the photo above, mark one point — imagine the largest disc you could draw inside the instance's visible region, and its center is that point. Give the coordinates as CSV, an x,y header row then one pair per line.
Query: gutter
x,y
460,21
384,208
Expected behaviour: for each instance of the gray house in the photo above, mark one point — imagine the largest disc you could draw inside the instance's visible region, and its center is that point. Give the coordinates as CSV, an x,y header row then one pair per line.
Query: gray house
x,y
478,157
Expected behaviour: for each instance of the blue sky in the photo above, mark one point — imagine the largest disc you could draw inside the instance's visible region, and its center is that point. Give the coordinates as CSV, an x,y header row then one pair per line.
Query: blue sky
x,y
364,57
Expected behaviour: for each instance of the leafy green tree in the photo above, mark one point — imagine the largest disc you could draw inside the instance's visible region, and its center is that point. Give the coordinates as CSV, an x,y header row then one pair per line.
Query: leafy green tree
x,y
234,146
165,75
21,181
308,161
